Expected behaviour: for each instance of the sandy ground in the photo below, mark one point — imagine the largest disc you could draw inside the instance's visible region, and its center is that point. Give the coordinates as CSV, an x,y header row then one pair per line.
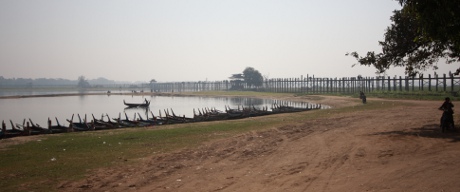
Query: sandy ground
x,y
397,149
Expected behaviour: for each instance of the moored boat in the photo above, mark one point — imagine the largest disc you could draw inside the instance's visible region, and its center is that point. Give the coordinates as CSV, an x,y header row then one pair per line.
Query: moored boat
x,y
57,128
146,103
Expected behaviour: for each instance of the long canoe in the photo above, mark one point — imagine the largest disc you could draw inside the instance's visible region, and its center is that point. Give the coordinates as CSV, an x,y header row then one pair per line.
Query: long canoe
x,y
144,104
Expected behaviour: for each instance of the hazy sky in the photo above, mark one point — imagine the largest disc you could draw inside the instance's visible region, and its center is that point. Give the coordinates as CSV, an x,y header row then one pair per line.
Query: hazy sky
x,y
189,40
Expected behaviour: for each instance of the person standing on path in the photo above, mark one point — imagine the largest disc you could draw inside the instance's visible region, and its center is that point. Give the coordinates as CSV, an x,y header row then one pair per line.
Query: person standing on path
x,y
448,114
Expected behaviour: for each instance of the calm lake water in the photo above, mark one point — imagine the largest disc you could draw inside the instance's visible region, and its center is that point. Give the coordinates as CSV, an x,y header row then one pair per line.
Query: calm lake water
x,y
39,109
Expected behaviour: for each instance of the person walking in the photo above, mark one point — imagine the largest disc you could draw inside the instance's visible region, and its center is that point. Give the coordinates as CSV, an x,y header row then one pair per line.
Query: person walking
x,y
447,115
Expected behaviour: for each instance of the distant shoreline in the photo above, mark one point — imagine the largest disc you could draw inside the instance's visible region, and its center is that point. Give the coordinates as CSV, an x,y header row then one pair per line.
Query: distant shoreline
x,y
177,94
83,94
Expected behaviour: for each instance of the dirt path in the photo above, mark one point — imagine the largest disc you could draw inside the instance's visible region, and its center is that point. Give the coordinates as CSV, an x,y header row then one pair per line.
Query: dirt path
x,y
397,149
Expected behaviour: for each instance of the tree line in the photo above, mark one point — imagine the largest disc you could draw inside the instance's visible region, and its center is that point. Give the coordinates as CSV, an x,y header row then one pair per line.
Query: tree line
x,y
29,82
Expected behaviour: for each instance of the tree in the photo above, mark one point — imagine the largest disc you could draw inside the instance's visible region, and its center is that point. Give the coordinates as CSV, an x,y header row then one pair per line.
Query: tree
x,y
82,82
252,77
236,81
422,32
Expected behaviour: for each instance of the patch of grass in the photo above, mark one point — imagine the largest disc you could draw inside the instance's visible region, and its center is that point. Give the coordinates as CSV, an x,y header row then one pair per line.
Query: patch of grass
x,y
371,106
407,95
415,95
38,165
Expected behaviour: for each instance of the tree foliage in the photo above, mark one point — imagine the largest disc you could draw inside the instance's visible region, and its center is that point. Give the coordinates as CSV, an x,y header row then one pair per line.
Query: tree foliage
x,y
421,33
82,82
236,81
252,77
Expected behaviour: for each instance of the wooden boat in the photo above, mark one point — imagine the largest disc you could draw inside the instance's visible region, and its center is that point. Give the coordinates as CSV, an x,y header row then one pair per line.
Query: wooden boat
x,y
209,115
289,109
57,128
125,122
173,118
29,128
158,120
236,113
145,122
13,132
100,124
114,124
136,121
145,104
81,125
36,129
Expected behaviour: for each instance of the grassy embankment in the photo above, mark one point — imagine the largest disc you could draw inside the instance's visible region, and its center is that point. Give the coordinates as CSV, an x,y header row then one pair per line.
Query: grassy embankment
x,y
45,161
416,95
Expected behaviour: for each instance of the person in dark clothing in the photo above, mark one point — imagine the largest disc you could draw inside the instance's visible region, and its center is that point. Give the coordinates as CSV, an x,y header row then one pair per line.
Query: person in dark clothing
x,y
447,115
362,96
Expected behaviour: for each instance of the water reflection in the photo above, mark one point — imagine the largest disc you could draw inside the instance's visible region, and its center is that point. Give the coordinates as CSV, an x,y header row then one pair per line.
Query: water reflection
x,y
247,101
142,110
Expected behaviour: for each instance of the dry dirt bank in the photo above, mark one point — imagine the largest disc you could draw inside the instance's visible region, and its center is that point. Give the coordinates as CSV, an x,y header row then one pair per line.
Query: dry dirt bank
x,y
397,149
